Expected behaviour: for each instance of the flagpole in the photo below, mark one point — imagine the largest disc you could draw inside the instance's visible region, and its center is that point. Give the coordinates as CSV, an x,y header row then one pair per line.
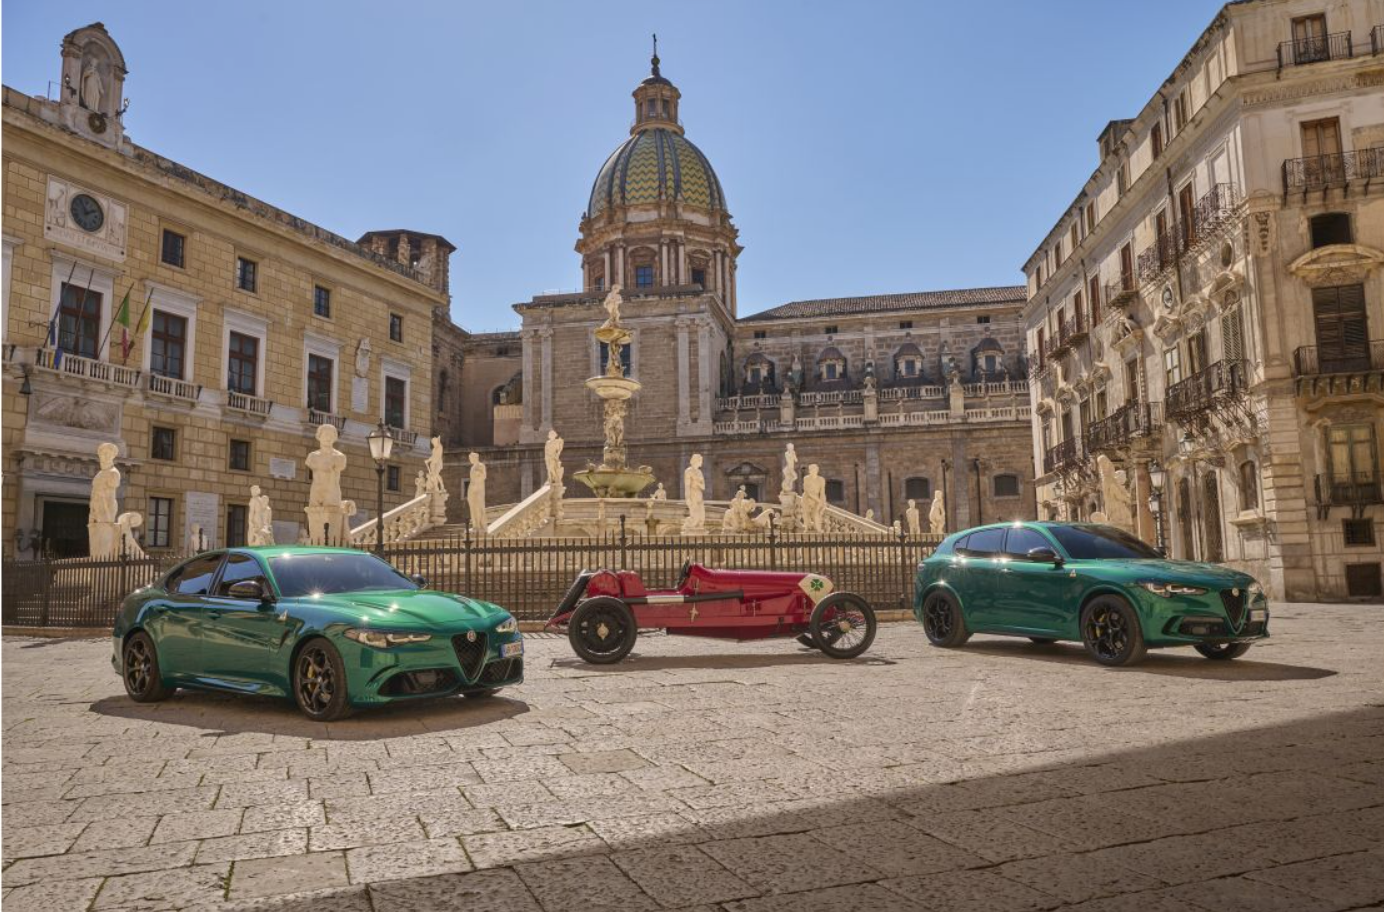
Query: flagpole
x,y
81,307
148,299
111,325
57,312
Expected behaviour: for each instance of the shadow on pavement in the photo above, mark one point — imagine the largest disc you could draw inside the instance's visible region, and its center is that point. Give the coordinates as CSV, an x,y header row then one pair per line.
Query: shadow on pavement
x,y
636,662
1180,662
224,714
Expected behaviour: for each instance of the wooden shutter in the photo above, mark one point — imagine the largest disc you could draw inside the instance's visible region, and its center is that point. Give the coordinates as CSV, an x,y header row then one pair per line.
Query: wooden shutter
x,y
1186,209
1232,337
1095,300
1321,137
1343,336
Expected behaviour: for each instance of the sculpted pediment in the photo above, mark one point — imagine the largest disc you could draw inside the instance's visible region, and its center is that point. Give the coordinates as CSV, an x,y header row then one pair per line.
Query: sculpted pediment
x,y
1336,264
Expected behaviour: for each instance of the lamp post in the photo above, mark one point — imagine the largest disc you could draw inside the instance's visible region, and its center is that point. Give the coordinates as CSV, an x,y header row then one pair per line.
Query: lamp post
x,y
1156,479
381,445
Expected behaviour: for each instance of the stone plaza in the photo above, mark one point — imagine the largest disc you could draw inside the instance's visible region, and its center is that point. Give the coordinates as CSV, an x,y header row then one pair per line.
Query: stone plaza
x,y
746,777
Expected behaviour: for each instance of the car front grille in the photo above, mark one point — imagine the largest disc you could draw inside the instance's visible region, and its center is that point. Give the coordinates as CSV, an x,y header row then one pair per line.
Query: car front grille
x,y
1234,602
470,653
502,670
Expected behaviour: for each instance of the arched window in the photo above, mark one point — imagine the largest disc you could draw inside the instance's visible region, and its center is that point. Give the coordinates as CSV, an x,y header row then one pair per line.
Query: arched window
x,y
1249,485
836,491
1006,485
918,489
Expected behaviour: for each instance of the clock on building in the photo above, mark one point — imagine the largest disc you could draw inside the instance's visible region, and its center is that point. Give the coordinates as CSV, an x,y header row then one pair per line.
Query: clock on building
x,y
86,212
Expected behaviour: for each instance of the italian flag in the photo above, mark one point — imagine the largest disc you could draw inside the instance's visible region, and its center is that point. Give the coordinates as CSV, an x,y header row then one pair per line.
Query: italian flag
x,y
122,317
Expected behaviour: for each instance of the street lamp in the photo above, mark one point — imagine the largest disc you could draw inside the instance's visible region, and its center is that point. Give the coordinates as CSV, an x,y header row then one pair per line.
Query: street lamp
x,y
1156,480
381,445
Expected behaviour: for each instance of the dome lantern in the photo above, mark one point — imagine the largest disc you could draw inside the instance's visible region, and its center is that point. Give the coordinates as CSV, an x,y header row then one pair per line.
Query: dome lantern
x,y
656,100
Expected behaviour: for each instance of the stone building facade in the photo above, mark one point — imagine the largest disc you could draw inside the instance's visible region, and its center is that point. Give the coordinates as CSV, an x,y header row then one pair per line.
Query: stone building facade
x,y
894,396
261,326
1207,313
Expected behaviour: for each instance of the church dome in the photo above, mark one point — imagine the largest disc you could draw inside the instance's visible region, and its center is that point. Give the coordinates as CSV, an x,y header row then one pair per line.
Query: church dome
x,y
656,164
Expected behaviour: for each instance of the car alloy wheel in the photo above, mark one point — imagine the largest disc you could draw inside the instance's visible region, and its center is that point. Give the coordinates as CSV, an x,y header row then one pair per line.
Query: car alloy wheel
x,y
942,620
842,625
1110,631
602,630
1223,652
319,682
141,670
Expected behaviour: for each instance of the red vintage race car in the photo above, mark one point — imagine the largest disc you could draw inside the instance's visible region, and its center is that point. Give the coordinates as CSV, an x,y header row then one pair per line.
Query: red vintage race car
x,y
605,609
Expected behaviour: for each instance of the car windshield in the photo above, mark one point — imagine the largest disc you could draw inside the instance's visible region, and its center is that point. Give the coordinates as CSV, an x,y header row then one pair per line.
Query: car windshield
x,y
310,574
1093,542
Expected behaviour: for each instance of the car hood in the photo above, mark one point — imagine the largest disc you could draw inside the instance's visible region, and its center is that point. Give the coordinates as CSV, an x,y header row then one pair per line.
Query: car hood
x,y
408,608
1211,576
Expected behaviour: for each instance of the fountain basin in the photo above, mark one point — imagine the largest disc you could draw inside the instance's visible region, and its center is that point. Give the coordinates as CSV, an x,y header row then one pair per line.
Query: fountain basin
x,y
613,387
610,482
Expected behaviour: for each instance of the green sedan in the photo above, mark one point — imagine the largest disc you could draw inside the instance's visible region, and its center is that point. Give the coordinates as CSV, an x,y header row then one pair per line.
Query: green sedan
x,y
1094,584
334,628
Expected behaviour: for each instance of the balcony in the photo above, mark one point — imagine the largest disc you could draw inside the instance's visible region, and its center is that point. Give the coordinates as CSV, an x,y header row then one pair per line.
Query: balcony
x,y
1322,172
1063,456
1131,421
1215,208
253,406
1205,390
1161,254
1072,330
1340,369
1121,294
1302,51
173,388
405,438
1354,490
69,365
317,418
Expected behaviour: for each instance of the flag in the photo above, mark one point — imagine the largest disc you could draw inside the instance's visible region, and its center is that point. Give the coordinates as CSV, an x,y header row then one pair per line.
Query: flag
x,y
122,317
145,318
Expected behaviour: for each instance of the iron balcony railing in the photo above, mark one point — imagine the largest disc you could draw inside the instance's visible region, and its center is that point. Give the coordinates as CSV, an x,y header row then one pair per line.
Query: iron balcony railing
x,y
1213,210
1131,421
1313,360
1215,207
1349,489
1205,389
1302,51
1319,172
1062,456
1121,293
1159,255
1072,330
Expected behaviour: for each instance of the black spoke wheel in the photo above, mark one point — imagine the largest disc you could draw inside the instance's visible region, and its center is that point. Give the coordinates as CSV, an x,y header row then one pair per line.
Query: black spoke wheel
x,y
1110,629
143,680
842,625
942,620
602,630
1223,652
319,682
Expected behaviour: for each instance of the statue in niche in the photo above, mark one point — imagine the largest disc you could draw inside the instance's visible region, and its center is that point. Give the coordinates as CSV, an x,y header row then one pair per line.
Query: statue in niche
x,y
91,88
814,500
914,516
259,519
795,374
363,352
693,488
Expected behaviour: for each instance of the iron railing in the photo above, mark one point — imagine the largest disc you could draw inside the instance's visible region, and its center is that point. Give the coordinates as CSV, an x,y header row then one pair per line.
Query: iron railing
x,y
1061,456
1213,210
1072,330
1205,389
1302,51
1349,489
527,577
1121,293
1313,360
1159,255
1319,172
1131,421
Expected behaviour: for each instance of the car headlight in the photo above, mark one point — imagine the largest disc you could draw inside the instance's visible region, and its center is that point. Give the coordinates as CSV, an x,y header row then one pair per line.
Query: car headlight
x,y
1254,590
509,625
1168,590
382,639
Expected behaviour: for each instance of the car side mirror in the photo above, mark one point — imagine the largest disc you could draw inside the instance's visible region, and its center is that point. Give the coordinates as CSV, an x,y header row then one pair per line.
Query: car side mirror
x,y
251,590
1045,556
419,580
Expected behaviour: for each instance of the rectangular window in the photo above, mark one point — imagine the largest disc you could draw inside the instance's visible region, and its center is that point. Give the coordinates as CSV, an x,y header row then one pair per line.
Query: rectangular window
x,y
235,525
163,444
1101,406
1156,139
396,328
167,344
239,455
761,334
391,478
1232,336
320,378
984,319
1186,212
1056,255
172,252
1172,366
1090,217
1132,381
1342,325
395,395
1358,532
1181,110
1331,228
599,284
79,321
245,274
830,330
905,324
321,301
1077,308
160,521
1122,179
626,358
644,276
699,277
1353,457
1196,352
1126,268
1094,287
836,491
242,364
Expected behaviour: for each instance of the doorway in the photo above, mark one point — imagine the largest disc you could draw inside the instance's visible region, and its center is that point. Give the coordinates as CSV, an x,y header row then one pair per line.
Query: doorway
x,y
65,529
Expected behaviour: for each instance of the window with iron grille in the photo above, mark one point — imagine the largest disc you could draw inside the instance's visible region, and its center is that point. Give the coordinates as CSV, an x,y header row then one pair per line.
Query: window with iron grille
x,y
236,515
396,328
238,455
245,274
1006,485
242,363
163,443
172,248
160,521
1331,228
320,373
836,491
1358,532
321,301
391,478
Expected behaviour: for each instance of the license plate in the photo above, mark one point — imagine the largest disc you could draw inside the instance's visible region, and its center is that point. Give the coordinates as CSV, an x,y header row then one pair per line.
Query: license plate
x,y
510,650
1258,614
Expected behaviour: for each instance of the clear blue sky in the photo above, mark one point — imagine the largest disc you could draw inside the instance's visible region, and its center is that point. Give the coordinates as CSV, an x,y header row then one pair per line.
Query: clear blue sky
x,y
864,147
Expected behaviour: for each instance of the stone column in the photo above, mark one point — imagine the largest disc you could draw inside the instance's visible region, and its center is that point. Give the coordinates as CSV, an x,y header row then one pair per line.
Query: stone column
x,y
706,361
546,334
619,265
873,482
683,367
609,276
683,278
663,274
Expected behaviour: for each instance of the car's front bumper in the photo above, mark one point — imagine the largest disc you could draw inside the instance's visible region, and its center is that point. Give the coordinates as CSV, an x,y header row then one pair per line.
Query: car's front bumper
x,y
443,665
1185,620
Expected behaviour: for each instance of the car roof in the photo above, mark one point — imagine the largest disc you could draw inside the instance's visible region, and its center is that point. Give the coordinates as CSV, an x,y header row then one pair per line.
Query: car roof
x,y
285,550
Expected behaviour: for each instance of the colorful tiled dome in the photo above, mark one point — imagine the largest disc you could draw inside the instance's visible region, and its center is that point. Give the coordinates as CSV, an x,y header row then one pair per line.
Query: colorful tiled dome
x,y
656,164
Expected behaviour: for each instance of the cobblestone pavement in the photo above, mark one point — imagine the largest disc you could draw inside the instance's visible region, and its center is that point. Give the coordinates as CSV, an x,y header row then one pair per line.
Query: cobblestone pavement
x,y
711,775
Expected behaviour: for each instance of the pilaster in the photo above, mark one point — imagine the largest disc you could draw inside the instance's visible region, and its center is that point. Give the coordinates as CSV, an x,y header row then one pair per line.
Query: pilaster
x,y
546,335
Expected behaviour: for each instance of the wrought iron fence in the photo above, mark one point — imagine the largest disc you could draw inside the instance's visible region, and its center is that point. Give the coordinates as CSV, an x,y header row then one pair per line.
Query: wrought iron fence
x,y
1130,421
1062,455
527,577
1205,389
1310,360
1318,172
1301,51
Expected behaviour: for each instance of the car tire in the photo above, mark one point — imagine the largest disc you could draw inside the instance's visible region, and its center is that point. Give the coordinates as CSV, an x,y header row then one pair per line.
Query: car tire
x,y
140,670
943,621
319,681
806,640
481,694
1222,652
1042,641
1111,633
826,625
602,630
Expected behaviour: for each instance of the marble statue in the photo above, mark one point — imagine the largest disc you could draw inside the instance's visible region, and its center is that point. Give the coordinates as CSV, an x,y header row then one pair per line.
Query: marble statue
x,y
103,533
898,527
326,516
870,514
1118,502
614,424
363,358
552,456
259,519
790,470
737,515
613,300
129,545
937,514
693,487
91,89
434,486
915,525
420,485
475,494
795,373
197,538
658,496
814,501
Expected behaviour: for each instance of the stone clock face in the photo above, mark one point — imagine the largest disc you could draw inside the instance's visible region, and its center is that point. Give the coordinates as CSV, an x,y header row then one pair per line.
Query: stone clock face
x,y
86,212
